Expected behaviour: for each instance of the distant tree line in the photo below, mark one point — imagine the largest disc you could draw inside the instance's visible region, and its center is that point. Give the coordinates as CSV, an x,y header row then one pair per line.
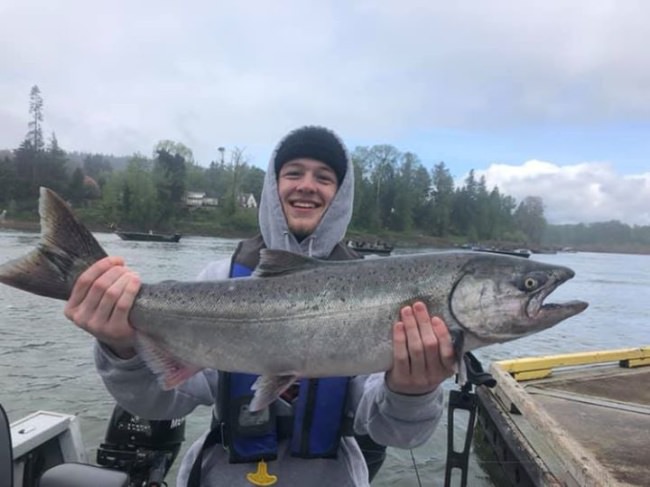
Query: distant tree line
x,y
608,234
395,193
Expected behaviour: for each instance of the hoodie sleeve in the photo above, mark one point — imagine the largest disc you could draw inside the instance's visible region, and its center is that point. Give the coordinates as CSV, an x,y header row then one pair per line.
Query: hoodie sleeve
x,y
137,389
393,419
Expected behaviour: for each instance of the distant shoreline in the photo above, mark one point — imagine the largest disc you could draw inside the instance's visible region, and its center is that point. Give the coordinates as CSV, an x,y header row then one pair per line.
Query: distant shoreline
x,y
419,241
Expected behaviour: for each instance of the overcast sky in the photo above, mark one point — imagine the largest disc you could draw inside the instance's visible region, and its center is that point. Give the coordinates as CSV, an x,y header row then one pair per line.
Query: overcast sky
x,y
547,98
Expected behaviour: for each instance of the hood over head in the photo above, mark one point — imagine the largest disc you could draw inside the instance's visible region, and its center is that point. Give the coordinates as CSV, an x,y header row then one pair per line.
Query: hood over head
x,y
324,145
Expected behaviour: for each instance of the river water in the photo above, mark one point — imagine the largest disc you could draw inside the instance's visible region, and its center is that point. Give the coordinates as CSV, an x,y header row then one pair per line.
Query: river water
x,y
46,363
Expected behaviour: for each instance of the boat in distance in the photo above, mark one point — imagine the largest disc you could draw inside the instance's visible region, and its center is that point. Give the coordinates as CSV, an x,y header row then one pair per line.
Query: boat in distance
x,y
525,253
365,248
149,236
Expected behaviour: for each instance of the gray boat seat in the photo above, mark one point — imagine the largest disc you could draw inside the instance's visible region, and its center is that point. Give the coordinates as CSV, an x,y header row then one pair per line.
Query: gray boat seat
x,y
6,452
82,475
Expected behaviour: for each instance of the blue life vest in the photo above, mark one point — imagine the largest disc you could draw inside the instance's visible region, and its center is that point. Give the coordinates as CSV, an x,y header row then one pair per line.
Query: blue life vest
x,y
317,421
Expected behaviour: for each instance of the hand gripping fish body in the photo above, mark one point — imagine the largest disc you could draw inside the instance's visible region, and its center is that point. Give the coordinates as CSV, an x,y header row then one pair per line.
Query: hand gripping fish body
x,y
298,316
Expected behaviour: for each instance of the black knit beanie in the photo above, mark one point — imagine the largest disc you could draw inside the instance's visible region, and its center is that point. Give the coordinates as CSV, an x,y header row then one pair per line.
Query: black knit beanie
x,y
315,143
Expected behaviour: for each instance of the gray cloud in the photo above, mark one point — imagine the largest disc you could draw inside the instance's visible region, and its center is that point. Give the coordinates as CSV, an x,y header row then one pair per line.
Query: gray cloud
x,y
229,71
588,192
118,76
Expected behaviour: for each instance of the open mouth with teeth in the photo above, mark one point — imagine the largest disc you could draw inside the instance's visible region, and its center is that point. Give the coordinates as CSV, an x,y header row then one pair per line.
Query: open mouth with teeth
x,y
301,205
305,205
540,312
552,312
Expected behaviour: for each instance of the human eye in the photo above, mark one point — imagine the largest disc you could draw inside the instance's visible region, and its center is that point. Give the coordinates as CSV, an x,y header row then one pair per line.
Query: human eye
x,y
291,173
295,173
326,177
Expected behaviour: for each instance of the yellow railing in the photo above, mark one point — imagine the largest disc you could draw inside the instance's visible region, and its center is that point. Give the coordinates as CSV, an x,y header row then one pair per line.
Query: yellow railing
x,y
540,367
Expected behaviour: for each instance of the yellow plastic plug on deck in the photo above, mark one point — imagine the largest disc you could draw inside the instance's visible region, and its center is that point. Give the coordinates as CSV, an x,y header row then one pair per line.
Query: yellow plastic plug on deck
x,y
261,477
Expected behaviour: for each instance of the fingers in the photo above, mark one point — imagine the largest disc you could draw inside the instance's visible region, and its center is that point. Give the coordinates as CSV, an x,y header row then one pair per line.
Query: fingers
x,y
101,300
447,353
423,354
401,366
97,301
413,319
86,280
107,307
125,302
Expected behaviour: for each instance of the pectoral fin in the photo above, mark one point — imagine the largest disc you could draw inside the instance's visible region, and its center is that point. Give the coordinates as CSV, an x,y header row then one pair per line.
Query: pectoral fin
x,y
268,388
171,371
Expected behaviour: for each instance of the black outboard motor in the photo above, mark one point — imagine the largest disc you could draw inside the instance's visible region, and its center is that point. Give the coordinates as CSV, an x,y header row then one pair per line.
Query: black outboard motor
x,y
145,449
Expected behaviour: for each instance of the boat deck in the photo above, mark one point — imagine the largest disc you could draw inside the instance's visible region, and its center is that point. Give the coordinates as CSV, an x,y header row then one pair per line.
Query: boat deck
x,y
570,420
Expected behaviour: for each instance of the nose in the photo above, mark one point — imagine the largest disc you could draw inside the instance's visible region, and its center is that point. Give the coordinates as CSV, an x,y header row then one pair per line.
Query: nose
x,y
307,183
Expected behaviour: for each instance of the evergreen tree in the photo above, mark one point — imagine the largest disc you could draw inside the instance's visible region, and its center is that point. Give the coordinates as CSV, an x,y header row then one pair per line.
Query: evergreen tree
x,y
27,161
529,218
442,192
130,197
384,167
366,213
423,187
97,167
76,190
464,210
169,176
7,180
236,167
54,167
484,218
35,134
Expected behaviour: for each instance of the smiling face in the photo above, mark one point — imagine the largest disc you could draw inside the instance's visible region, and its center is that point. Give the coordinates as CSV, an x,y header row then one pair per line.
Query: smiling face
x,y
306,188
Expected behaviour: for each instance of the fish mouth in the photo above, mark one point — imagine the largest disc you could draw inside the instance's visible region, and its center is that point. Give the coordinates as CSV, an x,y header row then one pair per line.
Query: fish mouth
x,y
552,312
539,311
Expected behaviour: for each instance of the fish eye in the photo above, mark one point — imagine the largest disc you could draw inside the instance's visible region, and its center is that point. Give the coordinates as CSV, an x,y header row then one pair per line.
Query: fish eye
x,y
530,283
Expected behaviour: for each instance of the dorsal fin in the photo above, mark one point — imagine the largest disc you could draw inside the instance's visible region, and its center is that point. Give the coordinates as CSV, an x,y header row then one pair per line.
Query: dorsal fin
x,y
279,262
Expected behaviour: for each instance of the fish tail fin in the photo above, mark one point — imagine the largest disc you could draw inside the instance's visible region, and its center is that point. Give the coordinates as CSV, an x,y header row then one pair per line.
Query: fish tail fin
x,y
66,249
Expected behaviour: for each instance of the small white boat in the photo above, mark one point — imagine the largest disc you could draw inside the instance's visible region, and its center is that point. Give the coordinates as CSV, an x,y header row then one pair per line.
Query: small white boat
x,y
46,449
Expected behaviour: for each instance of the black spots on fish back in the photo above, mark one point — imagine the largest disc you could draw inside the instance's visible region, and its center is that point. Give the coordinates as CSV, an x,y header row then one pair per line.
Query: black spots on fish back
x,y
319,281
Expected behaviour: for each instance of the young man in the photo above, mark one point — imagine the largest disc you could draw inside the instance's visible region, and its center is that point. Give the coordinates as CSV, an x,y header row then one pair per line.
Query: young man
x,y
307,436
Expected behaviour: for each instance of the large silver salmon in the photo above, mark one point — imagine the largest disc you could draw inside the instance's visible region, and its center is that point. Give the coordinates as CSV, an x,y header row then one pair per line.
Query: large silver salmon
x,y
301,317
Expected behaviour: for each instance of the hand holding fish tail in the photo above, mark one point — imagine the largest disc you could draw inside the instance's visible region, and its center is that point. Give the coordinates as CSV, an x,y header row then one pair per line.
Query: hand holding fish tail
x,y
423,354
100,303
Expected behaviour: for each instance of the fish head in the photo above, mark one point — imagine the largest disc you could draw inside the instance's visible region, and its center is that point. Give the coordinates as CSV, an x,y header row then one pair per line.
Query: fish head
x,y
501,298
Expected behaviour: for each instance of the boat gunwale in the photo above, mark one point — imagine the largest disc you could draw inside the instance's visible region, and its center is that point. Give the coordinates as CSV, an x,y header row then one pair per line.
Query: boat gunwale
x,y
513,398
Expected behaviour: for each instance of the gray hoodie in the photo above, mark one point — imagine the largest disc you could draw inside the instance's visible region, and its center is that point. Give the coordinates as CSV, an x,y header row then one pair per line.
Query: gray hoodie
x,y
389,418
332,226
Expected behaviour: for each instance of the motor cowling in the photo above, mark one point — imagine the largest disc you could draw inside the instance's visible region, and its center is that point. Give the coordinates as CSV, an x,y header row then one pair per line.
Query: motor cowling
x,y
145,449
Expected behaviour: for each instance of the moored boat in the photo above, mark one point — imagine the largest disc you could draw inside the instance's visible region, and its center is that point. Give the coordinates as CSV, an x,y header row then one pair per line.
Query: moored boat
x,y
365,248
148,236
525,253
